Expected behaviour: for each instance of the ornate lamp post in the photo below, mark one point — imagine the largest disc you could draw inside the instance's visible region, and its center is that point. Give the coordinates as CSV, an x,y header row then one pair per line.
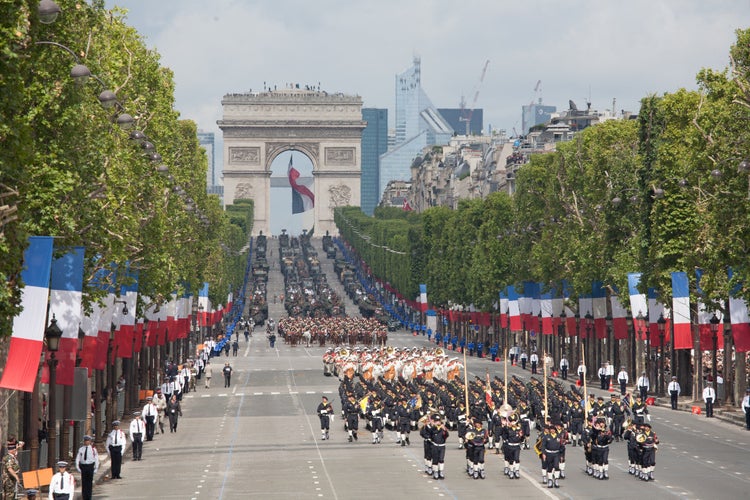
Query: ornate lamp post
x,y
578,340
714,321
589,319
631,336
53,333
561,337
640,320
661,323
614,346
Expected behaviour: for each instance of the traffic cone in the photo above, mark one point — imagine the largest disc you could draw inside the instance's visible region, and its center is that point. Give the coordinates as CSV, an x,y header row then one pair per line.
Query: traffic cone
x,y
610,386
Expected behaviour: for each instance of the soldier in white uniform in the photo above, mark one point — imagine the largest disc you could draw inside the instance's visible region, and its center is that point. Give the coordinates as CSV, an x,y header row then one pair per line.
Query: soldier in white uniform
x,y
63,484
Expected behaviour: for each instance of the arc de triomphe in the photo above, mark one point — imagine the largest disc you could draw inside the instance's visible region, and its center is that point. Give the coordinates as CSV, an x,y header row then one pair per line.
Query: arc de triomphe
x,y
327,128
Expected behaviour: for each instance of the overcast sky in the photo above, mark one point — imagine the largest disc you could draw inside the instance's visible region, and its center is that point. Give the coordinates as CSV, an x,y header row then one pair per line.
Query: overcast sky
x,y
578,49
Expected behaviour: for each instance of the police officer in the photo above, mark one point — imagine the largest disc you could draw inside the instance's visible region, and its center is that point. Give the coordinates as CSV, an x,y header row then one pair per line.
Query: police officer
x,y
622,378
564,366
150,413
534,359
709,397
674,392
87,463
63,484
137,430
746,408
115,444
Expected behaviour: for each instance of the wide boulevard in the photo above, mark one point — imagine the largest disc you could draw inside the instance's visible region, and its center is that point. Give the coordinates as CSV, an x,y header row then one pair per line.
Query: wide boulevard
x,y
260,438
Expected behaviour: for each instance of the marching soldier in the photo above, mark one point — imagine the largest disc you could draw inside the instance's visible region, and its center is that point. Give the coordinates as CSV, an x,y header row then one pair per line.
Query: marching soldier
x,y
426,434
600,440
630,435
87,463
513,438
617,411
647,444
577,416
403,416
351,411
551,447
438,438
525,422
475,441
640,410
325,413
375,416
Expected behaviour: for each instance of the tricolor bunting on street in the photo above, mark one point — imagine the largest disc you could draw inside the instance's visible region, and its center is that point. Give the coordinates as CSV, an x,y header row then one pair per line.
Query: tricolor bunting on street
x,y
599,306
503,309
586,306
66,295
125,334
423,297
683,336
545,305
638,305
26,342
302,198
740,318
514,311
656,310
90,323
619,316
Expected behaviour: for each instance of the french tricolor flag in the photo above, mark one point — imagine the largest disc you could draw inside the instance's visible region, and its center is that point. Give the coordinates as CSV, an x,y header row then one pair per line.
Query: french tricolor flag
x,y
525,304
90,325
683,335
26,343
545,303
656,310
619,317
557,308
514,311
599,305
585,306
570,317
503,309
740,318
203,305
302,198
126,332
423,298
66,294
638,305
172,317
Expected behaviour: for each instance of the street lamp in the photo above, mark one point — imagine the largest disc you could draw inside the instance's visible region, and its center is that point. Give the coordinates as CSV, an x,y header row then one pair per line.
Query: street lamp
x,y
615,345
48,11
714,321
561,337
52,334
589,318
631,336
661,324
640,321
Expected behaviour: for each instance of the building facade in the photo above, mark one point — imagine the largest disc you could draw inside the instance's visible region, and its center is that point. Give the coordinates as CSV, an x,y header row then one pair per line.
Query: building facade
x,y
458,118
374,144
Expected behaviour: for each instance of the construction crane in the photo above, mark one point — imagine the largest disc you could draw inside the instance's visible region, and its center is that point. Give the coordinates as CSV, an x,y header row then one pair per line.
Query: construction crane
x,y
466,116
537,92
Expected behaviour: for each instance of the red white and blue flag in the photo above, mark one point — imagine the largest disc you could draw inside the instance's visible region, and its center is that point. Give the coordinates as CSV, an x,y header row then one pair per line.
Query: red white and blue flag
x,y
683,333
638,305
66,294
302,198
22,366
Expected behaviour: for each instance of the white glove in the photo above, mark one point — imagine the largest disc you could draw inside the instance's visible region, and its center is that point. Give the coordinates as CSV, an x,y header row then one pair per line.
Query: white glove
x,y
648,417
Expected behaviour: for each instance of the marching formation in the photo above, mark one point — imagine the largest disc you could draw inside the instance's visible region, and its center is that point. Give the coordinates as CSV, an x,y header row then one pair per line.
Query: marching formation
x,y
422,390
333,330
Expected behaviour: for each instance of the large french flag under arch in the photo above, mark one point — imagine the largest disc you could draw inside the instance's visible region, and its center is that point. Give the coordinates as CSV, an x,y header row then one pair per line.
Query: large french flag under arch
x,y
22,366
302,198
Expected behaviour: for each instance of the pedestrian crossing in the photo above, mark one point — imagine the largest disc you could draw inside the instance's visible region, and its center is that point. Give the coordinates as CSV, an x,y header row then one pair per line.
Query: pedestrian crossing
x,y
261,393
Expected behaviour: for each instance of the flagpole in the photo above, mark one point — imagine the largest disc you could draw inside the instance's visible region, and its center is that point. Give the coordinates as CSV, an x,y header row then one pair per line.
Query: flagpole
x,y
466,386
585,391
546,409
505,377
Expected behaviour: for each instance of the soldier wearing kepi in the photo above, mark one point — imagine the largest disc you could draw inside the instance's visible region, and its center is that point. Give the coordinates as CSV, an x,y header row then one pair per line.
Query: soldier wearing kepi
x,y
11,469
87,463
552,446
115,445
325,412
475,441
63,484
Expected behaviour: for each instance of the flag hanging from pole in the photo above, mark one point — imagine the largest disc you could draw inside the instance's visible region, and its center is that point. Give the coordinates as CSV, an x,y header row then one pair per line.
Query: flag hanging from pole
x,y
302,198
22,365
683,335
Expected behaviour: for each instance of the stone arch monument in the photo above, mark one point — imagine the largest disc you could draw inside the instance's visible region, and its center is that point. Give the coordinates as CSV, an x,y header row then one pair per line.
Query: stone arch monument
x,y
258,126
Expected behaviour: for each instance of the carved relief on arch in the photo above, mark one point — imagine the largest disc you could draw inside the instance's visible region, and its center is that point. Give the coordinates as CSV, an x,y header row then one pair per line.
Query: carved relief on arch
x,y
243,191
339,196
244,156
311,149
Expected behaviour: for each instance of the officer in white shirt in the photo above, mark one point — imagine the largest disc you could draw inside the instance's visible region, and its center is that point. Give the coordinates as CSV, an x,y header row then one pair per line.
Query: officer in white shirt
x,y
150,414
602,377
610,374
534,360
87,463
643,385
622,378
674,392
746,408
137,430
63,484
581,373
115,444
564,366
709,397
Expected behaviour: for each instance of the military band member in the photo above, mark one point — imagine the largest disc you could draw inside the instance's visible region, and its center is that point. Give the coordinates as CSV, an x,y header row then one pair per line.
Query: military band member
x,y
600,441
475,442
640,410
403,416
552,446
63,484
87,463
524,419
115,445
351,411
616,412
438,439
630,435
576,416
375,416
325,413
513,438
647,442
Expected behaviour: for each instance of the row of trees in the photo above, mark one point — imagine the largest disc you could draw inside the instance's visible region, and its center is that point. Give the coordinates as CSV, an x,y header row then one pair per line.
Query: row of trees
x,y
669,191
74,174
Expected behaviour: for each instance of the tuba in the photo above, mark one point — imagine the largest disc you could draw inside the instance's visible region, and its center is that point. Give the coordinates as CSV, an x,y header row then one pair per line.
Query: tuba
x,y
439,351
470,436
389,350
343,352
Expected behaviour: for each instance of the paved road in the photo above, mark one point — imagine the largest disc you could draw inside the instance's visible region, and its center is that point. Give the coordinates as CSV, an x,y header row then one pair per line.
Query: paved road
x,y
259,438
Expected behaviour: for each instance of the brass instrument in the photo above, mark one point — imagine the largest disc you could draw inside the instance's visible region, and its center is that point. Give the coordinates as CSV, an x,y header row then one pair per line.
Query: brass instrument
x,y
640,438
343,352
389,350
439,351
470,436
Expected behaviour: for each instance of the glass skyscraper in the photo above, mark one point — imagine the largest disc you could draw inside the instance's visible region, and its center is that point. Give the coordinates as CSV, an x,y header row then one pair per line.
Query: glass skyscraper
x,y
374,144
208,142
418,125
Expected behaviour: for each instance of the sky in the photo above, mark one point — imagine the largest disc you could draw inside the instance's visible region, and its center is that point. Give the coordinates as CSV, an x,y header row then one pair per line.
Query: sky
x,y
580,50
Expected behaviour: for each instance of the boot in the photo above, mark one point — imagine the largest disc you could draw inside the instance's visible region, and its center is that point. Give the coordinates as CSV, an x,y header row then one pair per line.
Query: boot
x,y
441,475
407,441
349,439
481,473
650,476
550,484
556,484
355,436
436,475
605,475
518,474
505,471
